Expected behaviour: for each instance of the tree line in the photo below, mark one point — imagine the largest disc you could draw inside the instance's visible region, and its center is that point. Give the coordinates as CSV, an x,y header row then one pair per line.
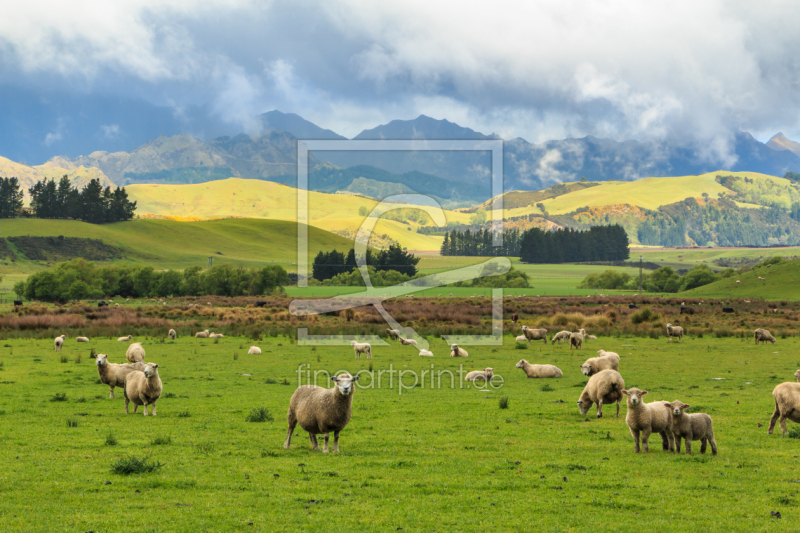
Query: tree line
x,y
599,243
479,243
663,279
327,265
10,197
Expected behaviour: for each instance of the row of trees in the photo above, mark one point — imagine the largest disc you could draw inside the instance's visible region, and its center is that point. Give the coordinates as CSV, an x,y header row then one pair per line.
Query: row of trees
x,y
662,280
599,243
10,197
327,265
79,279
93,204
479,243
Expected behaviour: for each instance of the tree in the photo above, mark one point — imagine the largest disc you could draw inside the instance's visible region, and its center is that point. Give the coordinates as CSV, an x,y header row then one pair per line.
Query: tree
x,y
396,258
362,211
92,203
697,277
10,198
19,289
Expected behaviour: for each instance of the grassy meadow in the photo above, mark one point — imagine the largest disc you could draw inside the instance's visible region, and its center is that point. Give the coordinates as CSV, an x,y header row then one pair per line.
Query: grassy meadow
x,y
406,461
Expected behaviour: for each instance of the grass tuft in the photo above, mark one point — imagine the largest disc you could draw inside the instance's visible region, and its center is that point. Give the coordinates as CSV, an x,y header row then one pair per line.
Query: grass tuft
x,y
126,466
161,441
111,440
72,423
259,414
59,397
504,402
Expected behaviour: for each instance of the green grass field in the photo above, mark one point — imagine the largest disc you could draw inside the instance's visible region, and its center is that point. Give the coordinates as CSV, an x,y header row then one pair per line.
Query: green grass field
x,y
780,282
406,461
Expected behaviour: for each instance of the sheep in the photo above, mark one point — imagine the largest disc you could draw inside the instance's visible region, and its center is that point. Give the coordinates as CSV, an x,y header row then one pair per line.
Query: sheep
x,y
361,347
539,371
201,335
320,410
254,350
215,335
393,334
604,387
143,388
607,361
58,343
425,353
172,335
694,426
590,337
135,353
787,404
480,375
647,418
112,374
576,340
125,339
561,336
514,318
797,375
762,335
82,339
534,334
521,338
674,331
456,351
407,342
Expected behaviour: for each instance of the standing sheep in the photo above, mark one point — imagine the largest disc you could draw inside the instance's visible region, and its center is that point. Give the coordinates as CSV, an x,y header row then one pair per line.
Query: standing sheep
x,y
456,351
172,335
575,340
135,353
534,334
603,388
201,335
58,342
143,388
787,405
644,418
561,336
254,350
539,371
361,347
694,426
480,375
112,374
393,334
762,335
320,411
125,339
606,361
674,331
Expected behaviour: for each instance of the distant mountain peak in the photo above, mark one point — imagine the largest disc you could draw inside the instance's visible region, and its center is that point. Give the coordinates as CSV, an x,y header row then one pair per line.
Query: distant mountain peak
x,y
779,142
296,125
424,127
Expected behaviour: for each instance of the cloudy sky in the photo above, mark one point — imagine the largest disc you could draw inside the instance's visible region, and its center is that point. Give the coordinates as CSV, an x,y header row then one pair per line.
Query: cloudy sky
x,y
539,70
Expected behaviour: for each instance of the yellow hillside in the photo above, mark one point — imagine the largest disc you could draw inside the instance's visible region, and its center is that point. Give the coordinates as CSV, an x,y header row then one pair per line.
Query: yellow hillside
x,y
28,176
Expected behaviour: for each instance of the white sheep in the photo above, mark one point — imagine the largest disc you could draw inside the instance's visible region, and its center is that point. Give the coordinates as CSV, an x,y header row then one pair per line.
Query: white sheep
x,y
172,334
647,418
201,334
425,353
787,404
112,374
605,387
361,347
762,335
590,337
534,334
143,388
215,335
456,351
561,336
521,338
82,339
480,375
674,331
58,343
125,339
606,361
408,342
694,426
254,350
539,371
393,334
135,353
575,340
320,411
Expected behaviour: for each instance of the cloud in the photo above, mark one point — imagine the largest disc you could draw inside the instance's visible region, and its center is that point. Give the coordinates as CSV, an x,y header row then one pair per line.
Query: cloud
x,y
51,138
110,131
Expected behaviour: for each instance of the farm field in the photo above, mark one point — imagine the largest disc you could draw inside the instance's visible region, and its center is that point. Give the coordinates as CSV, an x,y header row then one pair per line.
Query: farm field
x,y
406,461
780,282
689,257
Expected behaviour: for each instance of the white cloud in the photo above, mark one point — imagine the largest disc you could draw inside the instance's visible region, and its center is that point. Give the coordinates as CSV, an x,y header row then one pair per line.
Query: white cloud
x,y
110,131
52,137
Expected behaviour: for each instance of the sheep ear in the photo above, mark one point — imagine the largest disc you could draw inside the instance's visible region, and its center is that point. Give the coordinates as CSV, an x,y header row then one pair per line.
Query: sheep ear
x,y
686,406
644,392
334,379
155,365
356,377
624,392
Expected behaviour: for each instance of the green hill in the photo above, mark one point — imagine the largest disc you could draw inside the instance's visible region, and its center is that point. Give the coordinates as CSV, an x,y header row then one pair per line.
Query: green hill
x,y
781,282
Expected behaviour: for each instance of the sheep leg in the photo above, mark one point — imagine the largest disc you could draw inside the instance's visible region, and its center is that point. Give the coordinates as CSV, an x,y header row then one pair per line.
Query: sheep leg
x,y
703,444
154,408
617,408
713,443
127,401
783,424
325,443
646,440
336,442
292,423
135,407
688,444
677,444
665,444
313,438
600,408
144,406
635,435
112,391
671,439
774,418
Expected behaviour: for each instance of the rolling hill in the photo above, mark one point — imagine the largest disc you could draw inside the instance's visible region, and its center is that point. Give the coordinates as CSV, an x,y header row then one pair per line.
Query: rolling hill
x,y
781,282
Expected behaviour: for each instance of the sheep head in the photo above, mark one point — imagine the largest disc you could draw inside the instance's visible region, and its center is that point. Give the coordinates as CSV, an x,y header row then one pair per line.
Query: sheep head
x,y
586,368
150,370
584,404
678,407
101,359
797,374
522,363
634,396
344,383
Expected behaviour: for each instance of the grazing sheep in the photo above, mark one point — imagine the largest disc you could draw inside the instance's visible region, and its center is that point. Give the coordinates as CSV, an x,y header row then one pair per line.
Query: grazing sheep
x,y
82,339
172,335
647,418
393,334
112,374
480,375
787,404
425,353
456,351
561,336
58,342
539,371
129,338
201,335
320,410
135,353
694,426
575,340
521,338
361,347
143,388
407,342
605,387
762,335
674,331
254,350
534,334
607,361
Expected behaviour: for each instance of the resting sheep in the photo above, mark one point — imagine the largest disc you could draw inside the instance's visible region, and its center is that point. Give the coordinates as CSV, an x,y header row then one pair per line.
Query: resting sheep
x,y
787,404
125,339
171,334
534,334
456,351
539,371
521,338
674,331
215,335
605,387
82,339
320,410
361,347
58,342
201,335
407,342
254,350
480,375
393,334
762,335
143,388
647,418
112,374
135,353
606,361
694,426
561,336
575,340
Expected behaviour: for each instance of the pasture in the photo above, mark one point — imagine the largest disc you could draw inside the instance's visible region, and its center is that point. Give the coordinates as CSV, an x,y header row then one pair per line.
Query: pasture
x,y
413,457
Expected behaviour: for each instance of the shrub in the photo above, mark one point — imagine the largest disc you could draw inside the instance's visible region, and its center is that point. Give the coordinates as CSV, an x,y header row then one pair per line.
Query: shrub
x,y
645,315
259,414
560,319
58,397
521,346
126,466
161,441
504,402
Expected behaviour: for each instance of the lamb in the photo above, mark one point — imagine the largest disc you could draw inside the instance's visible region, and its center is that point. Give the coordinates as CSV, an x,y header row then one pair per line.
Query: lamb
x,y
112,374
561,336
393,334
201,335
82,339
407,342
320,410
576,340
171,334
604,387
787,404
647,418
762,335
695,426
254,350
674,331
215,335
539,371
143,388
125,339
135,353
534,334
521,338
606,361
590,337
361,347
58,342
425,353
480,375
456,351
